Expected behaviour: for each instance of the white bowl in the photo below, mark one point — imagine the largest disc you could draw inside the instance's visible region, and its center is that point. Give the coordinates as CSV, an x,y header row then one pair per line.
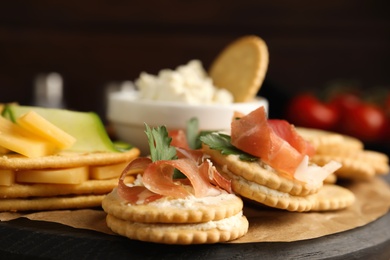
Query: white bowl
x,y
128,115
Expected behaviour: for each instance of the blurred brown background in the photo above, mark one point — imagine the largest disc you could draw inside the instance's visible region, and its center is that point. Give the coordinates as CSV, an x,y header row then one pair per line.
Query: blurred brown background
x,y
92,43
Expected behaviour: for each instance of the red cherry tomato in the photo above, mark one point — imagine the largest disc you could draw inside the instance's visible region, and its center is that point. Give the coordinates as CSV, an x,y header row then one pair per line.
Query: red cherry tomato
x,y
345,101
364,121
307,111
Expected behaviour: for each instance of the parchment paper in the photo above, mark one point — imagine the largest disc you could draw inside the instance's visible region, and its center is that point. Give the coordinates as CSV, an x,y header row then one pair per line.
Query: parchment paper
x,y
265,224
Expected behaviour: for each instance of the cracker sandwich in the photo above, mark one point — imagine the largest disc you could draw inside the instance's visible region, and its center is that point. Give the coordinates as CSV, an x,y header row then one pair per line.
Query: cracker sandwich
x,y
268,162
178,197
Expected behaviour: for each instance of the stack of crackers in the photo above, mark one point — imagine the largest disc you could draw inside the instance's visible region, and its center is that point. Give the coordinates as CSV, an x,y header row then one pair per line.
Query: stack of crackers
x,y
259,183
178,221
99,175
357,163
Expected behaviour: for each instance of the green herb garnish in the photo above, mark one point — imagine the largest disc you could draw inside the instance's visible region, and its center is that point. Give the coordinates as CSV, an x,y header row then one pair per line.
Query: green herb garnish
x,y
160,147
221,142
160,144
192,131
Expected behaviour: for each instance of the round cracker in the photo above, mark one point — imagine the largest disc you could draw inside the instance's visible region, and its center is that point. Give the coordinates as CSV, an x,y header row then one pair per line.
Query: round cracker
x,y
270,197
51,203
333,197
255,172
329,197
166,210
241,67
327,141
183,234
357,163
66,160
46,190
350,168
376,160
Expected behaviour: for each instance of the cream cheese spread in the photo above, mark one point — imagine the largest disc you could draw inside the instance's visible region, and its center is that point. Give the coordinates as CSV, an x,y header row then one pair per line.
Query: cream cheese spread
x,y
191,202
229,223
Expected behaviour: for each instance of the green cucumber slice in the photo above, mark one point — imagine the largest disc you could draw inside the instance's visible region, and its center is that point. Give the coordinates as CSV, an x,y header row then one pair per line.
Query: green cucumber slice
x,y
86,127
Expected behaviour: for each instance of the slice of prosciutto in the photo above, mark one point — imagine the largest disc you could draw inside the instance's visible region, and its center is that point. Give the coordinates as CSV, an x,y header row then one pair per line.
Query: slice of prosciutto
x,y
134,194
276,142
179,138
157,178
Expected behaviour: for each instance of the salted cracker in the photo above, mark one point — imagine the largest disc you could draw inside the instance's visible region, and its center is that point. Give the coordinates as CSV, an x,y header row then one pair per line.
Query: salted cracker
x,y
51,203
326,141
357,162
241,67
50,190
351,168
66,160
181,234
329,197
261,174
333,197
44,196
169,210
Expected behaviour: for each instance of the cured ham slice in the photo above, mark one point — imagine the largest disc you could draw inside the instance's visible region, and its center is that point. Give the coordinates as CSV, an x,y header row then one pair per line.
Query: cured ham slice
x,y
275,141
179,138
158,181
286,131
210,171
134,194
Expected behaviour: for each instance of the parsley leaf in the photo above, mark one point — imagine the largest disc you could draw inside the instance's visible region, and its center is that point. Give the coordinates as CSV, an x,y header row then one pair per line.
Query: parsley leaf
x,y
221,142
159,144
192,133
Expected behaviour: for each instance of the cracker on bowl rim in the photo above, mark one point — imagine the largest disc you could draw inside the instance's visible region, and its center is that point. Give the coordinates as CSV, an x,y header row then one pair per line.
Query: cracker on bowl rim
x,y
241,67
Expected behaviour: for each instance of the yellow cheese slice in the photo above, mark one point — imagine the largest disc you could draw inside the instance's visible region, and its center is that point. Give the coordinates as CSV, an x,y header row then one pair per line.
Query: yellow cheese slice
x,y
38,125
19,140
56,176
7,177
106,171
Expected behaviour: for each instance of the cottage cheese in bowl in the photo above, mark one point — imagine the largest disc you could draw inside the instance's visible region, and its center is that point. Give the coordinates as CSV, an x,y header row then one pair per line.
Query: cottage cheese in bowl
x,y
171,98
187,84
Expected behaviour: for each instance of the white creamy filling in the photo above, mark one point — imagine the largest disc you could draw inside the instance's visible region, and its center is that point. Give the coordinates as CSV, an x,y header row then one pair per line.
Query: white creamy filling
x,y
137,181
229,223
188,84
191,202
